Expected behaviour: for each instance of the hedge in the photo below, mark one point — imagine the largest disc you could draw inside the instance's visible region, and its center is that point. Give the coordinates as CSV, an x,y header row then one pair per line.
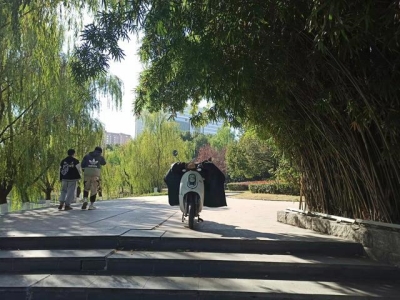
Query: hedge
x,y
238,187
274,188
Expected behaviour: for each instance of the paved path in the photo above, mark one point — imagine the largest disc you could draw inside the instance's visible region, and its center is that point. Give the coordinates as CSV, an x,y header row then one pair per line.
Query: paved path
x,y
162,268
149,216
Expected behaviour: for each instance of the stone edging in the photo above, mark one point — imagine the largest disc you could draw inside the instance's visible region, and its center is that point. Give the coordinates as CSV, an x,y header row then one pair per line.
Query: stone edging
x,y
381,244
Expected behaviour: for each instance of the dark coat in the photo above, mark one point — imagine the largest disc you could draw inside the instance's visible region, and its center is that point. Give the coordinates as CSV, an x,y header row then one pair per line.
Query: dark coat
x,y
69,169
214,179
92,163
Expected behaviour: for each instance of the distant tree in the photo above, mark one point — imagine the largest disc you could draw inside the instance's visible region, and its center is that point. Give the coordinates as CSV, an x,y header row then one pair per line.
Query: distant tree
x,y
150,155
187,136
217,156
222,138
250,158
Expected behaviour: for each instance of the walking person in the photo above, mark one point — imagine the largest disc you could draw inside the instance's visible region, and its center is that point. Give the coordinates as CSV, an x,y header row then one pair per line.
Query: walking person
x,y
100,189
78,192
91,165
70,174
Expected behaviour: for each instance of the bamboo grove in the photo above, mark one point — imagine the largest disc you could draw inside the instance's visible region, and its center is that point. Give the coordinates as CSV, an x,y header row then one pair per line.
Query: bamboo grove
x,y
43,111
320,77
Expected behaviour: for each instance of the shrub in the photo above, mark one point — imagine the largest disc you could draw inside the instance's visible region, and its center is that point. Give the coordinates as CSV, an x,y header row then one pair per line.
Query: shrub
x,y
244,185
274,188
238,187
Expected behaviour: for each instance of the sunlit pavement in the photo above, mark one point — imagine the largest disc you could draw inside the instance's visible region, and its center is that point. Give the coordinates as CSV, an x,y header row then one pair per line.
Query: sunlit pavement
x,y
138,248
242,219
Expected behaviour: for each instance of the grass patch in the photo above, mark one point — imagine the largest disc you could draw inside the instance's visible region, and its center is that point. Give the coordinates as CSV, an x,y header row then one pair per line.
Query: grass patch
x,y
152,194
266,197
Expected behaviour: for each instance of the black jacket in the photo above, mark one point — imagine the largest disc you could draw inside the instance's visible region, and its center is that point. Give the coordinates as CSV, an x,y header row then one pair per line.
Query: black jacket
x,y
214,180
68,169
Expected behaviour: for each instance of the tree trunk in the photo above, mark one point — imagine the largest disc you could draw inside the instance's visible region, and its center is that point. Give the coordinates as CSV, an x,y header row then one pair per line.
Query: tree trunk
x,y
24,196
48,193
5,189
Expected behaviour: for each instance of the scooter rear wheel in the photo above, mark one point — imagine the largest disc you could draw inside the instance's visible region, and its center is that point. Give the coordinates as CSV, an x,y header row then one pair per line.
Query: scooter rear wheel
x,y
192,209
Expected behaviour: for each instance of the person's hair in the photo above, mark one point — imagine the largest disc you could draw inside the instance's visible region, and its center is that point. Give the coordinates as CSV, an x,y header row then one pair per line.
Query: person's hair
x,y
98,149
71,152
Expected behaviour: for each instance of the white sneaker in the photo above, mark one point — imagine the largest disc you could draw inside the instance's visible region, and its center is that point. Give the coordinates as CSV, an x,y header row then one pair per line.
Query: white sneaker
x,y
91,207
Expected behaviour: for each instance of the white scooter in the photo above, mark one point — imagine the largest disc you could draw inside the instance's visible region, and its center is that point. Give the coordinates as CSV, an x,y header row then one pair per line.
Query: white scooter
x,y
191,192
188,188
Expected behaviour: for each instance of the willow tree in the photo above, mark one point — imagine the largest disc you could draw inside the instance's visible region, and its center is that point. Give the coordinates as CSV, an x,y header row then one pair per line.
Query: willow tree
x,y
146,159
126,169
73,106
65,122
29,57
117,174
159,139
321,77
40,105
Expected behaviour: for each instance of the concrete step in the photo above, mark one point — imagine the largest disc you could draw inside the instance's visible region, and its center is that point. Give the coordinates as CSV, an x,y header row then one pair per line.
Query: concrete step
x,y
257,266
50,241
77,287
54,261
159,243
335,248
199,264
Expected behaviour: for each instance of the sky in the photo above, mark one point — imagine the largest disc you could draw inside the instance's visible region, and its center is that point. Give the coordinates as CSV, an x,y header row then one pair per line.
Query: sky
x,y
128,70
122,121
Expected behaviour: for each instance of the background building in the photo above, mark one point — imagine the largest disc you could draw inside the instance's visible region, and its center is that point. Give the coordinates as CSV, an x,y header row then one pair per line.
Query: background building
x,y
183,120
112,138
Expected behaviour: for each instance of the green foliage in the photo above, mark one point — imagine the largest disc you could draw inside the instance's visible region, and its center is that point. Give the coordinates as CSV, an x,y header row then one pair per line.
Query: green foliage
x,y
250,157
320,77
141,164
115,183
43,111
187,136
196,141
244,185
287,171
233,186
275,188
222,139
199,141
155,194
